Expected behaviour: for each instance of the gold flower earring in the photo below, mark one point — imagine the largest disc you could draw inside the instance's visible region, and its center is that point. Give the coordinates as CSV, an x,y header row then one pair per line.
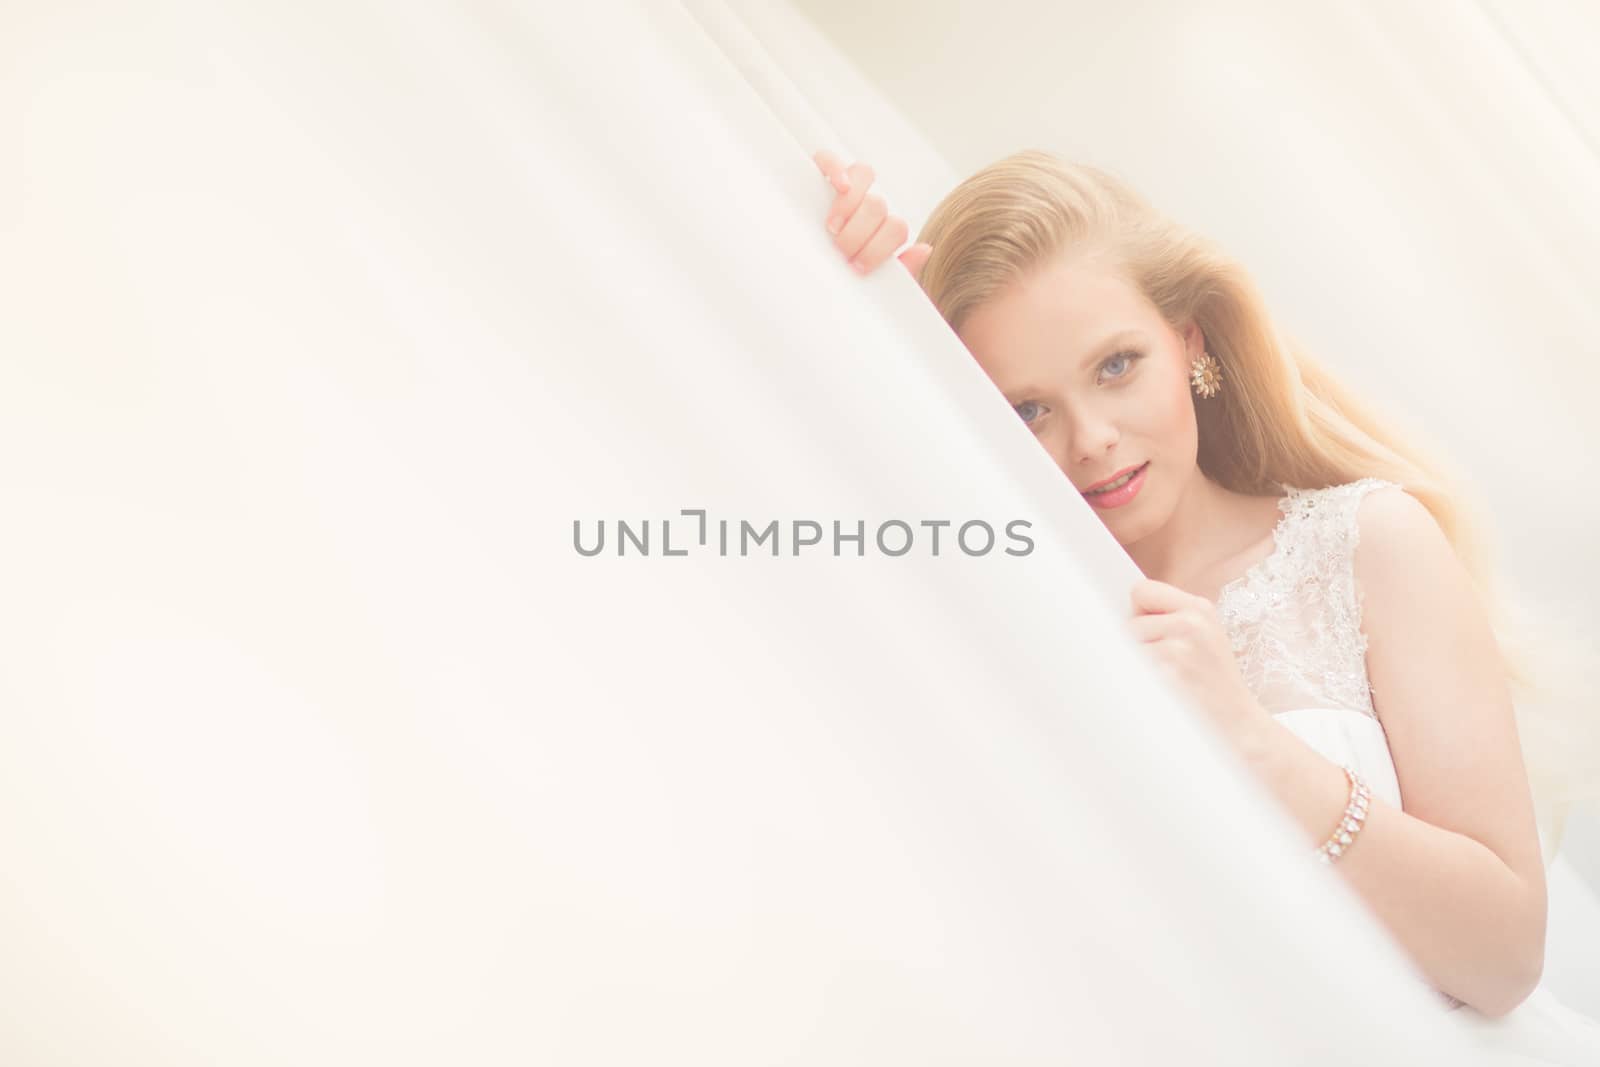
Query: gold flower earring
x,y
1205,376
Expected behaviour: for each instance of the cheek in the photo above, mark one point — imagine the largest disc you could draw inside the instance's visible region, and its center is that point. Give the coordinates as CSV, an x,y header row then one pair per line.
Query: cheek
x,y
1181,415
1166,411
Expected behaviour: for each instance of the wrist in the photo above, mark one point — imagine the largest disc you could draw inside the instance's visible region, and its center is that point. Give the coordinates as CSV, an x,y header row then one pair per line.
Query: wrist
x,y
1260,738
1312,788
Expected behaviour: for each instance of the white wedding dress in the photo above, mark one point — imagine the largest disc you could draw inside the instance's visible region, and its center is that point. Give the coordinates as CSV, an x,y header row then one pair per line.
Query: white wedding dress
x,y
1295,622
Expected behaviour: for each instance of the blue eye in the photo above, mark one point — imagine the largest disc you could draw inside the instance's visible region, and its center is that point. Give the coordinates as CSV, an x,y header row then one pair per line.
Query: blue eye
x,y
1026,404
1123,360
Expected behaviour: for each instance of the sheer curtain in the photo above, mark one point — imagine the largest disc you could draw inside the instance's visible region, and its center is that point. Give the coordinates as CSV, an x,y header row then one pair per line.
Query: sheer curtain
x,y
327,329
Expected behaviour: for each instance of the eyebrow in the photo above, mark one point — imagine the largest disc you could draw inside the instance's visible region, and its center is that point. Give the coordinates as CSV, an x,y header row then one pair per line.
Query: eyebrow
x,y
1109,342
1098,352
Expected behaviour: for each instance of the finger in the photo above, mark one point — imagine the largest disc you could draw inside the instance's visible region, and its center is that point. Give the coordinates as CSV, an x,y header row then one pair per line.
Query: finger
x,y
832,168
1150,628
1150,595
862,225
881,245
859,177
916,257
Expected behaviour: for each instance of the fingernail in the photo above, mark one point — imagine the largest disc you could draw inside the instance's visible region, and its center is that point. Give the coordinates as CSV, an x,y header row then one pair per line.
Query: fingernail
x,y
842,182
833,226
859,266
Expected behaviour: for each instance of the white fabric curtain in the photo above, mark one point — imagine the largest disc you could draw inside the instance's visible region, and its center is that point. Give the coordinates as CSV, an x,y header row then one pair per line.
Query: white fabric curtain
x,y
322,326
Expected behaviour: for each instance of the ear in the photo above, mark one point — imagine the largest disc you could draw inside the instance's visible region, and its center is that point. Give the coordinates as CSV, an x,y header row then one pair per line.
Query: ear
x,y
1194,341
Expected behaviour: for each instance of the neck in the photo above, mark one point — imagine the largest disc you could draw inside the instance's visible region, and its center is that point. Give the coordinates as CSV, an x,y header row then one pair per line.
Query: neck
x,y
1201,526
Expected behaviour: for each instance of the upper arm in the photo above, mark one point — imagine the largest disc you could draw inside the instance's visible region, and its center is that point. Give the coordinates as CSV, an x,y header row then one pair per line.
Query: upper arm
x,y
1439,683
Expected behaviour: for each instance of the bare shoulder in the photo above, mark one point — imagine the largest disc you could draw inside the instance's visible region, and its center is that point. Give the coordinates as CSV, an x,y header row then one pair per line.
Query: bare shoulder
x,y
1401,548
1408,571
1391,519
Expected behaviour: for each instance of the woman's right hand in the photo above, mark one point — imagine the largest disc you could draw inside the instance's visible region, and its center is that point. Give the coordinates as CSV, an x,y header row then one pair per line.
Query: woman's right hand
x,y
860,222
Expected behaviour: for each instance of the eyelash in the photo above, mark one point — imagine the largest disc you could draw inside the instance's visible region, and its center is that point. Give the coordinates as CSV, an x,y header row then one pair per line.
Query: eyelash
x,y
1128,355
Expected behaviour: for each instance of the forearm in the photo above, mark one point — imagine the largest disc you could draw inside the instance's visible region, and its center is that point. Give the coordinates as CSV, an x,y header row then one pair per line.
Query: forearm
x,y
1473,926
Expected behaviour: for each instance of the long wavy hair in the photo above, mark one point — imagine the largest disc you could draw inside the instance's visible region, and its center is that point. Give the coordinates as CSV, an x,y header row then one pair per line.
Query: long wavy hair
x,y
1281,418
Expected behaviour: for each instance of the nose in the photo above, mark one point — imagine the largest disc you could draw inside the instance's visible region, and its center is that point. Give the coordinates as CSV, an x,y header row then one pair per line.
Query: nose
x,y
1090,439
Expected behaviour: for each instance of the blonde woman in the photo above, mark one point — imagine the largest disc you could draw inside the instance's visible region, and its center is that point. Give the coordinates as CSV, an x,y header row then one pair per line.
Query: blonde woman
x,y
1309,583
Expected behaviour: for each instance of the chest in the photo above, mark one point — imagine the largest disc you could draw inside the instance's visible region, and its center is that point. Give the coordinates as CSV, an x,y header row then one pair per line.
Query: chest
x,y
1232,571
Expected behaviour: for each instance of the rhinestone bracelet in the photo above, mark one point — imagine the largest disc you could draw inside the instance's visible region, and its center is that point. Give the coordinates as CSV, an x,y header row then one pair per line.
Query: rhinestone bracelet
x,y
1355,815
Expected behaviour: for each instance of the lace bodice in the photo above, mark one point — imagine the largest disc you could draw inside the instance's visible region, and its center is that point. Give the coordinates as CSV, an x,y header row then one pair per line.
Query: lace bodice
x,y
1295,617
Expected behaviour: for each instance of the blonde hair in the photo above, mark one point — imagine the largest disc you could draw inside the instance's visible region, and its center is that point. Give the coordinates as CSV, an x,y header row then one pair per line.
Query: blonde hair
x,y
1281,418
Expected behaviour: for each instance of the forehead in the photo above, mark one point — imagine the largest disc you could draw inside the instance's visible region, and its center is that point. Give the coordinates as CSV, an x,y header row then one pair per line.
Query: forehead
x,y
1056,317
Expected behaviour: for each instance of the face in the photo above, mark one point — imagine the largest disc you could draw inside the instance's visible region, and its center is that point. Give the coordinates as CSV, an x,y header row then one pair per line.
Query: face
x,y
1102,380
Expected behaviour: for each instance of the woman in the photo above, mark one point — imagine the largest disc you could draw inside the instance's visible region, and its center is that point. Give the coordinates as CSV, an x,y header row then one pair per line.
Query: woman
x,y
1309,584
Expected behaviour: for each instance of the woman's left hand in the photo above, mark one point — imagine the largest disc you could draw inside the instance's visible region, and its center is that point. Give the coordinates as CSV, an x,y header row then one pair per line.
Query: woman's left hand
x,y
1185,636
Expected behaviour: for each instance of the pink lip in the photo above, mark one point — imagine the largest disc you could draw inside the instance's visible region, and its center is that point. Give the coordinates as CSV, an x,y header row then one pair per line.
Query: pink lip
x,y
1120,496
1114,477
